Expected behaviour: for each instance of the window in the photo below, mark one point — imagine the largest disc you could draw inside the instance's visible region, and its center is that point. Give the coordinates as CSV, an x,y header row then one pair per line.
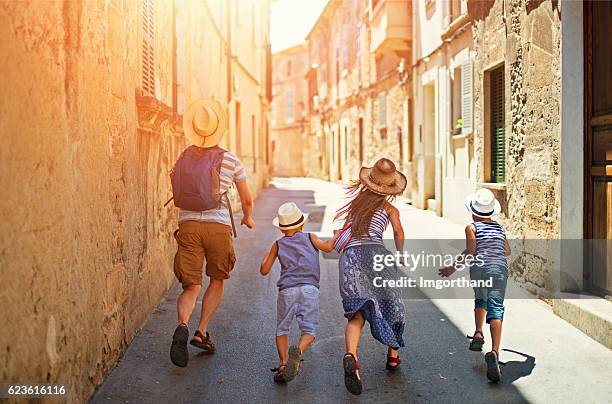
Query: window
x,y
382,110
466,97
254,143
360,128
289,106
238,129
289,68
496,125
148,47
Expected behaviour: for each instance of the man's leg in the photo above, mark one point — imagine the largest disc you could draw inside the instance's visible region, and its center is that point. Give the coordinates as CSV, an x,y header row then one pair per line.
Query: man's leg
x,y
186,303
210,303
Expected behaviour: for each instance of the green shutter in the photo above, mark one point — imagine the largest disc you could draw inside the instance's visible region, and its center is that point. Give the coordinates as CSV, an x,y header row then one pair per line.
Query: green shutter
x,y
497,130
498,157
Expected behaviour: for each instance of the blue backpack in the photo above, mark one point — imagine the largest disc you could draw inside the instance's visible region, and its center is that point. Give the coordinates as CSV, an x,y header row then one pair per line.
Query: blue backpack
x,y
196,178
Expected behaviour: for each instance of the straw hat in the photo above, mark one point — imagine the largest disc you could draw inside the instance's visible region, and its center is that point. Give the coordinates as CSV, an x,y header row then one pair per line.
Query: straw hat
x,y
204,122
289,217
483,204
383,178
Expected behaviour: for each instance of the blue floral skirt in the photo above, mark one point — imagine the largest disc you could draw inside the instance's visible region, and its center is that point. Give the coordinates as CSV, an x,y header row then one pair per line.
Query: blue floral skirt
x,y
381,307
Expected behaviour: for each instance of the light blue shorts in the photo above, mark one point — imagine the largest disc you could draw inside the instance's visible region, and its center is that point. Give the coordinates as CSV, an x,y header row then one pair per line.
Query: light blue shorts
x,y
490,299
301,303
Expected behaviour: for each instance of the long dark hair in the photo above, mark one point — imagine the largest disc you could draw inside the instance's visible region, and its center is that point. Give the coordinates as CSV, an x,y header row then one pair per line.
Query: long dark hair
x,y
361,208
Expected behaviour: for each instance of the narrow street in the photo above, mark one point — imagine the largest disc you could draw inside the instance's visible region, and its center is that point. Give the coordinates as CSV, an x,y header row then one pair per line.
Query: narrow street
x,y
436,362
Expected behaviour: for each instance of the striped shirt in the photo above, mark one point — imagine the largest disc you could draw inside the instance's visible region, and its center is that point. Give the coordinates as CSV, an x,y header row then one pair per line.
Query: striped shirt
x,y
376,228
232,171
491,243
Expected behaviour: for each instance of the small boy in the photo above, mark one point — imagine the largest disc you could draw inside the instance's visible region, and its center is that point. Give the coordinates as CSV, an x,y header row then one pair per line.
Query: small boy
x,y
298,286
486,241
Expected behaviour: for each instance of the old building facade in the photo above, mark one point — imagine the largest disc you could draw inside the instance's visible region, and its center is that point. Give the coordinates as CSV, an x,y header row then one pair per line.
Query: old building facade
x,y
541,134
358,93
443,170
91,130
288,114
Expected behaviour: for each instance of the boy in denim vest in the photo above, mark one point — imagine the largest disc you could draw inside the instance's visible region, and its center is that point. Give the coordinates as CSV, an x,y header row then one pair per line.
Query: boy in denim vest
x,y
298,286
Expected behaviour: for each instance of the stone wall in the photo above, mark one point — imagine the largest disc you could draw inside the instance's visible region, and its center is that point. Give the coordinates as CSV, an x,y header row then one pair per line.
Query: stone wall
x,y
525,37
86,245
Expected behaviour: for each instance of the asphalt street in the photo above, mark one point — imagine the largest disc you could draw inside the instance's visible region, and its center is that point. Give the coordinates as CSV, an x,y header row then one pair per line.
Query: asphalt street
x,y
437,366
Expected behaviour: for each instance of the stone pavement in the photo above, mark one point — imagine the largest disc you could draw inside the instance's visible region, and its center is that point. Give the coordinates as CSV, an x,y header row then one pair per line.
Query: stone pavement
x,y
560,364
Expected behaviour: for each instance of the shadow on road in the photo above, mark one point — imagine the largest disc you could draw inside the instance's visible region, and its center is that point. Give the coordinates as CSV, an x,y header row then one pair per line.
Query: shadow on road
x,y
437,365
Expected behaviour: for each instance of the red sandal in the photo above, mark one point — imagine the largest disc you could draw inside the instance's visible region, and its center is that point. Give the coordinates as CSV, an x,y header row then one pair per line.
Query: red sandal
x,y
393,363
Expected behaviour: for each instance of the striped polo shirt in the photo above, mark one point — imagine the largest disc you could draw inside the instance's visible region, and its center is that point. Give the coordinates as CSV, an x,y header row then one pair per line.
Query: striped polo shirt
x,y
491,243
232,171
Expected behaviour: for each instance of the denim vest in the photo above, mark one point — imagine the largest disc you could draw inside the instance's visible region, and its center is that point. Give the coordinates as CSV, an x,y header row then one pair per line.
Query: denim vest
x,y
299,261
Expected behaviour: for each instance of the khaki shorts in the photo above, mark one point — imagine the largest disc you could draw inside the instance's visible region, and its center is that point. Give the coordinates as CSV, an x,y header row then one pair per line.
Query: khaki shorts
x,y
203,240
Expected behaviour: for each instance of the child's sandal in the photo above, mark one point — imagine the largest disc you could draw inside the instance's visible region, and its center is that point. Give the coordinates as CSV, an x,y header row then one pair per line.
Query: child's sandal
x,y
393,363
352,381
477,342
279,375
492,361
293,364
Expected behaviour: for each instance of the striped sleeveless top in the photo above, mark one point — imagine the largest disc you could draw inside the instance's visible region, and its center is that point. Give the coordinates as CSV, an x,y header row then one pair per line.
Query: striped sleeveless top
x,y
378,224
491,243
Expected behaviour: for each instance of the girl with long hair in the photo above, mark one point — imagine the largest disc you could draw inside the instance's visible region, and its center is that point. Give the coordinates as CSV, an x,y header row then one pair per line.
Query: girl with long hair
x,y
368,214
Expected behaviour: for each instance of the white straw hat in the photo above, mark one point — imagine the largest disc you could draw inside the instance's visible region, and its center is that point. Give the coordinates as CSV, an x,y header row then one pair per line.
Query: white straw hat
x,y
204,122
289,217
483,204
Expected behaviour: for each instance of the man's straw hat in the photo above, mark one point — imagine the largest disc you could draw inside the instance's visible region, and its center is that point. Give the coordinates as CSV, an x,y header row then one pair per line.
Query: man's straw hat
x,y
204,122
383,178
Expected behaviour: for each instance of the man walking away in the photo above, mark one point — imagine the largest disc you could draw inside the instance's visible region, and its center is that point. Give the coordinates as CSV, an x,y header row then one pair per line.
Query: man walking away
x,y
201,179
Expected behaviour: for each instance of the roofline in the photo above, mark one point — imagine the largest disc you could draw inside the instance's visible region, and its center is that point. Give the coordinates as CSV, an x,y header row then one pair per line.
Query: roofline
x,y
325,10
291,49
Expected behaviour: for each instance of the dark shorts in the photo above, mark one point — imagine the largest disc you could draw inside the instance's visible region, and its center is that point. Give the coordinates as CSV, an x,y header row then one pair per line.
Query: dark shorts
x,y
199,241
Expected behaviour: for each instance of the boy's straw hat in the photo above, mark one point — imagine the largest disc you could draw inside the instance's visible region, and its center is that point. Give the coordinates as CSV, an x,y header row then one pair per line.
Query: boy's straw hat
x,y
204,122
383,178
483,204
289,217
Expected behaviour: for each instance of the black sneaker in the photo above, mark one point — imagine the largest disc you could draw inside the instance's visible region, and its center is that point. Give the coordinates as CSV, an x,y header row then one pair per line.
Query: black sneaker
x,y
179,355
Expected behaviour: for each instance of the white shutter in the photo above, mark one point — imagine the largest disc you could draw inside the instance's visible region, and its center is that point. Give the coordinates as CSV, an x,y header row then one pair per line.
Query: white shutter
x,y
466,98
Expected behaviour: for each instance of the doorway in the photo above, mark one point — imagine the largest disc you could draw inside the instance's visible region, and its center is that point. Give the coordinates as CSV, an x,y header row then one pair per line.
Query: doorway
x,y
598,145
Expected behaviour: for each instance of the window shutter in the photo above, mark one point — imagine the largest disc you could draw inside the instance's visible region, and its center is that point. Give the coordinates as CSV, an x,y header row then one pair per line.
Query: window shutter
x,y
498,131
148,47
466,98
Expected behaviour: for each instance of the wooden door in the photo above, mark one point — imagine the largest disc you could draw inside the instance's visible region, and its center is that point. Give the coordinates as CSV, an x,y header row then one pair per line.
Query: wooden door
x,y
598,144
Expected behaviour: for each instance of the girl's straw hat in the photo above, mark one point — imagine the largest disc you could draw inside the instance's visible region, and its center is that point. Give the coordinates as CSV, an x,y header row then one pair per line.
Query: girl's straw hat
x,y
483,204
289,217
204,122
383,178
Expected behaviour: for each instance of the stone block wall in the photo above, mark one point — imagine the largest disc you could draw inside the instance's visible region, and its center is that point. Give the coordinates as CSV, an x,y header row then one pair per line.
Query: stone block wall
x,y
86,245
525,37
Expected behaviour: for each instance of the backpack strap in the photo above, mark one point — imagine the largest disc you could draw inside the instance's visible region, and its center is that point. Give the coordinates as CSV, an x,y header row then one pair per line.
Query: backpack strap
x,y
229,207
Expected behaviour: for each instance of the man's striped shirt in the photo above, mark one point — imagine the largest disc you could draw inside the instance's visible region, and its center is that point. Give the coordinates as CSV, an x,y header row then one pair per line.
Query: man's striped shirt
x,y
232,170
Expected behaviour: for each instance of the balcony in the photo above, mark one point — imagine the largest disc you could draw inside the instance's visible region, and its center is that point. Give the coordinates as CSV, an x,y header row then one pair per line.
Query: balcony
x,y
391,27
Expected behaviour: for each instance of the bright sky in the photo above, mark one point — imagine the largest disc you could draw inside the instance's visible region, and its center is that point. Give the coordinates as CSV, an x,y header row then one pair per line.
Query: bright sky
x,y
292,20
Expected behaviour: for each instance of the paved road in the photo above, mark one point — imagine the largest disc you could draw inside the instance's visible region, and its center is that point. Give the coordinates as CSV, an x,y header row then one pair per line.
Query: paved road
x,y
437,365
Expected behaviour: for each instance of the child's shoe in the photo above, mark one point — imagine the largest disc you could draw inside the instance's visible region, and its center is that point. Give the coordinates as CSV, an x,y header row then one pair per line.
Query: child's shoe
x,y
279,374
477,342
493,372
293,364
